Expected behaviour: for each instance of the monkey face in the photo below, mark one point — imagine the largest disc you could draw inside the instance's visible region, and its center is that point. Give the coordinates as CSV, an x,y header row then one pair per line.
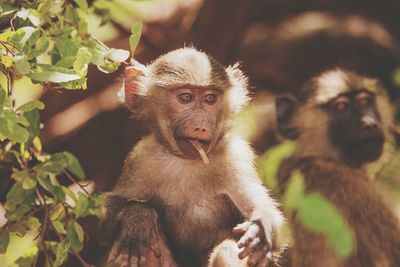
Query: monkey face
x,y
355,126
195,116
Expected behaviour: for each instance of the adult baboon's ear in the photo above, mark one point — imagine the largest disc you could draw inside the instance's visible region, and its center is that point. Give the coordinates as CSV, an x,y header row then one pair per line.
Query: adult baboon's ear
x,y
285,108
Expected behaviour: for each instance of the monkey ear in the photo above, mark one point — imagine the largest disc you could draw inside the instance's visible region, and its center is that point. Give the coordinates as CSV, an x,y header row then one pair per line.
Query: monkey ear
x,y
239,93
133,83
285,108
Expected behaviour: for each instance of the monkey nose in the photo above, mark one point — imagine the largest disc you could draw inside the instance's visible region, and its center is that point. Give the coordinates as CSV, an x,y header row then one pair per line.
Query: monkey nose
x,y
200,129
369,122
200,132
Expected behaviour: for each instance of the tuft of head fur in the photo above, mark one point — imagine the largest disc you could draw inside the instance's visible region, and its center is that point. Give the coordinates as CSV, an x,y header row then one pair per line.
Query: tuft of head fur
x,y
187,66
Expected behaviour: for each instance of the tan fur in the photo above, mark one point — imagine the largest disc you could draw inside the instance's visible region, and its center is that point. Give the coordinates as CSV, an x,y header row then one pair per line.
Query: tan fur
x,y
225,254
194,70
376,229
200,204
312,121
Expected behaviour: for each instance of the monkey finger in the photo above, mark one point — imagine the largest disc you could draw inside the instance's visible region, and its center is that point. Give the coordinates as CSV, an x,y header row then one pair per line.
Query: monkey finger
x,y
142,253
134,261
241,228
265,262
251,233
254,245
115,250
257,258
124,257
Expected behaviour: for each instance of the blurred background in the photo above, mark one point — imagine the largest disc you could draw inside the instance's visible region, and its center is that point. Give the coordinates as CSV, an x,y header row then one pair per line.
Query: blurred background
x,y
281,44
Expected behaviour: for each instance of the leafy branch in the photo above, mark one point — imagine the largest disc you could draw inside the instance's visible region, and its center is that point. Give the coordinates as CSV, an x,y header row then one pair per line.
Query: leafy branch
x,y
49,43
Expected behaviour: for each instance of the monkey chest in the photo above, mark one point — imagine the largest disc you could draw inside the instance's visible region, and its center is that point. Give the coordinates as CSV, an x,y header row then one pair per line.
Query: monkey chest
x,y
201,219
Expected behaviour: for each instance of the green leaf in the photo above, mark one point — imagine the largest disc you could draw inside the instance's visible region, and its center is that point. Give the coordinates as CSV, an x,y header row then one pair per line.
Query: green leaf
x,y
70,194
59,227
319,215
4,240
31,105
25,36
37,143
28,183
57,213
53,166
66,62
13,131
77,84
20,176
83,58
22,65
295,192
135,36
75,235
67,47
5,101
26,261
96,202
12,116
82,3
74,165
7,60
57,191
81,205
117,55
269,163
34,122
62,252
53,76
44,6
31,14
83,23
33,223
41,46
16,196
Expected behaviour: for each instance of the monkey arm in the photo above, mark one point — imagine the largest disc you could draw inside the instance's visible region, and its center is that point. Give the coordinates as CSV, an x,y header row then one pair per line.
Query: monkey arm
x,y
136,234
259,232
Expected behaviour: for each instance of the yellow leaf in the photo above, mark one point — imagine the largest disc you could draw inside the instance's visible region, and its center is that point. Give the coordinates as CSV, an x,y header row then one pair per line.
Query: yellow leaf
x,y
7,61
37,143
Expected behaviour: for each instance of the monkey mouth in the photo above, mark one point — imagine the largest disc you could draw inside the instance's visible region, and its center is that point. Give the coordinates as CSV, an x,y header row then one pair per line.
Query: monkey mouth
x,y
367,150
193,148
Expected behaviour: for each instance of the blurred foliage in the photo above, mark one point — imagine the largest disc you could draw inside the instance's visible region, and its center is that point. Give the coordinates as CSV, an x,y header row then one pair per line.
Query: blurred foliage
x,y
269,163
46,42
312,209
316,213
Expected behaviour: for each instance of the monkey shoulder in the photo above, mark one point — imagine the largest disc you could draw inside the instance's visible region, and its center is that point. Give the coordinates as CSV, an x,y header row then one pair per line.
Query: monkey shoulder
x,y
337,182
323,174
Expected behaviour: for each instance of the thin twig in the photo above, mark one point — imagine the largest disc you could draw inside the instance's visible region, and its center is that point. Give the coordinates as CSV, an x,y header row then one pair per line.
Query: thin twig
x,y
75,182
81,260
42,201
7,48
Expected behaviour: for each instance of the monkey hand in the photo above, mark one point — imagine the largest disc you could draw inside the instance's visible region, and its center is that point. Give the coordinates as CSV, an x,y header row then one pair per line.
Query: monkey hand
x,y
139,243
254,243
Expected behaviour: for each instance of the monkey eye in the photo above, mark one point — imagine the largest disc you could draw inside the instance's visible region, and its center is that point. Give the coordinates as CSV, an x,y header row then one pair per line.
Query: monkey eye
x,y
341,103
210,99
364,99
185,98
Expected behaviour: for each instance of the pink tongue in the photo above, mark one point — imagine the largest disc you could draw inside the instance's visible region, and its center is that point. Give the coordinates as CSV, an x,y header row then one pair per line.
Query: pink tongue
x,y
197,145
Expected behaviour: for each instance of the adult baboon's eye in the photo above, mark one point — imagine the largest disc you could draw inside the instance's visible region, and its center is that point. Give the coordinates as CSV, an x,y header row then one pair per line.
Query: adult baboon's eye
x,y
341,103
210,99
185,98
364,99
